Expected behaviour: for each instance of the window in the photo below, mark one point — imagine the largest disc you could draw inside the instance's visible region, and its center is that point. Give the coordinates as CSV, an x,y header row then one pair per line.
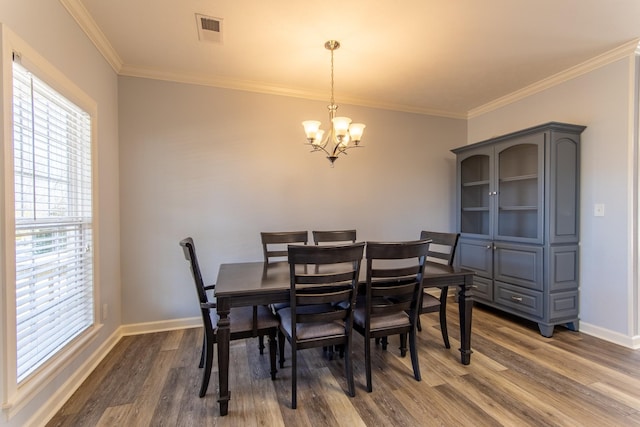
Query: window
x,y
53,221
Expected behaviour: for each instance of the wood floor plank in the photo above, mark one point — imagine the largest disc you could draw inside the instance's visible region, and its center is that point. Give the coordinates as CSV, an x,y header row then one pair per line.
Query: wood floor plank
x,y
116,416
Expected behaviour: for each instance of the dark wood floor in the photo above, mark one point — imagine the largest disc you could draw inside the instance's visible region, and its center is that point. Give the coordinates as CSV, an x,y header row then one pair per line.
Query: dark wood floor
x,y
516,378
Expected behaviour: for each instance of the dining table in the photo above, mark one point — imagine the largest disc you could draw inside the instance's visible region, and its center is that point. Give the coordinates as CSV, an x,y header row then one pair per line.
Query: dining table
x,y
259,283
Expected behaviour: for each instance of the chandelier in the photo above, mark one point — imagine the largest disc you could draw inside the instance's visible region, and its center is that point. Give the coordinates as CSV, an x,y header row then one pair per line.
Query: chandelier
x,y
341,131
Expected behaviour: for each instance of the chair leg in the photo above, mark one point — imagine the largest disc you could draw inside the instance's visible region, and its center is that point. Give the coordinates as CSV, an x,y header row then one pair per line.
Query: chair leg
x,y
403,345
367,363
294,377
272,354
413,348
385,342
202,353
419,324
208,361
281,340
261,344
348,367
443,316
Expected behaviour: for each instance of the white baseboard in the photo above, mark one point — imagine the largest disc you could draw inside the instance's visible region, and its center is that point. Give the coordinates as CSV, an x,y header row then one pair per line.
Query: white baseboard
x,y
160,326
632,342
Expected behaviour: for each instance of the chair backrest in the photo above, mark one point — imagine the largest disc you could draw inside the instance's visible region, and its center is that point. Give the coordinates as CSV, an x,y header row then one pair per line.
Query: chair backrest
x,y
442,249
324,290
394,277
274,244
334,236
189,250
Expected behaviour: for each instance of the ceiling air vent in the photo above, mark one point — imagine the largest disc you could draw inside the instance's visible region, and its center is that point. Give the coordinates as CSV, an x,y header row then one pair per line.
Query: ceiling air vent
x,y
209,28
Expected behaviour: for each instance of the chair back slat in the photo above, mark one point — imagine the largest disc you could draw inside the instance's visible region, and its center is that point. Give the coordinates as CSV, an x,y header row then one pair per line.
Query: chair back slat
x,y
323,297
396,272
274,244
318,279
333,236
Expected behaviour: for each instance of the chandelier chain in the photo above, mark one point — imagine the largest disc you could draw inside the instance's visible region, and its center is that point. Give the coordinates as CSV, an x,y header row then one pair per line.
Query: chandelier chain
x,y
332,100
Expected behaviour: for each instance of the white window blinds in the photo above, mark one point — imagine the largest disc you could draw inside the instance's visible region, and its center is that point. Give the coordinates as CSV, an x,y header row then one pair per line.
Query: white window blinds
x,y
53,220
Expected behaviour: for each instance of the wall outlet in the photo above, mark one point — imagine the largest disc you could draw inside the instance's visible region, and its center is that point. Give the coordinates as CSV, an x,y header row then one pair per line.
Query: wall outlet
x,y
105,311
598,209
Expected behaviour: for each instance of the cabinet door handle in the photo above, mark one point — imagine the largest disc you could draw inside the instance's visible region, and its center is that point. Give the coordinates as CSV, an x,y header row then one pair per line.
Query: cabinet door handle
x,y
519,299
488,246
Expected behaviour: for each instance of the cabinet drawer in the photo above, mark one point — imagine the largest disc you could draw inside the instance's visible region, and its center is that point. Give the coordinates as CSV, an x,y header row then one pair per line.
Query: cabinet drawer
x,y
521,265
482,289
518,298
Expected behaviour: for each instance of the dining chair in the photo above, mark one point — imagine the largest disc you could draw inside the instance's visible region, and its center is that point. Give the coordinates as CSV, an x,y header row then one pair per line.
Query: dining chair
x,y
246,322
391,302
274,244
274,250
321,237
442,250
313,318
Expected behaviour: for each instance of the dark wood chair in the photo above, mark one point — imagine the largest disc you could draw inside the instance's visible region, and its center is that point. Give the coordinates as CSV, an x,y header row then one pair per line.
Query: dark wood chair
x,y
321,237
246,322
442,250
391,302
274,244
314,318
275,250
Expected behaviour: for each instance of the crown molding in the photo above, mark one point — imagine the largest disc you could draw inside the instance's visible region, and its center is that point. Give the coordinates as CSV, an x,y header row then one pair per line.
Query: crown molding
x,y
606,58
77,10
270,89
81,15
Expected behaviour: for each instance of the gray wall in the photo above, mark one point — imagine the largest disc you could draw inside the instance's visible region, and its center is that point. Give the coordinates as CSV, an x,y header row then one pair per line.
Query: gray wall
x,y
222,165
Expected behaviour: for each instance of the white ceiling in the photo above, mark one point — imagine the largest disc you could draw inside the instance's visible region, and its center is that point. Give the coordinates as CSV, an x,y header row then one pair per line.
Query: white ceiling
x,y
444,57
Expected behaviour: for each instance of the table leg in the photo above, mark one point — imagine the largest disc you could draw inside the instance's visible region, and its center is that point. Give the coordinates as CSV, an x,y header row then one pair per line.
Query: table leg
x,y
223,338
465,306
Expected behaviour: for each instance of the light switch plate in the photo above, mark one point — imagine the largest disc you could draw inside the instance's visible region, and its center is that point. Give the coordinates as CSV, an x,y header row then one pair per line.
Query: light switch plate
x,y
598,209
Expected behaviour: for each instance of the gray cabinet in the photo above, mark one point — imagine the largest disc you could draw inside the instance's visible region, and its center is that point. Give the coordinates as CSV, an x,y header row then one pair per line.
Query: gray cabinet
x,y
518,216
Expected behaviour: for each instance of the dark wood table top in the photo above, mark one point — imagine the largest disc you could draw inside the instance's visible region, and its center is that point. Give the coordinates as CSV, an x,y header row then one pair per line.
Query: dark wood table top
x,y
252,278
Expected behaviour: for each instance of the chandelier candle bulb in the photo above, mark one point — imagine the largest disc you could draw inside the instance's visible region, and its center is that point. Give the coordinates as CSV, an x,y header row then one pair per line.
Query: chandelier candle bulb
x,y
356,130
311,128
341,130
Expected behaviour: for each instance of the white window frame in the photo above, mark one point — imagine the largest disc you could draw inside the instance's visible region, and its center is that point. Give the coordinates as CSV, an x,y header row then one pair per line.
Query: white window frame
x,y
14,396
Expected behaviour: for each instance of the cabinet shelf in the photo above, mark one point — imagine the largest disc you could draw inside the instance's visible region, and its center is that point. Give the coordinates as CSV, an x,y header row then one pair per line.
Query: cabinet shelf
x,y
519,178
518,208
475,183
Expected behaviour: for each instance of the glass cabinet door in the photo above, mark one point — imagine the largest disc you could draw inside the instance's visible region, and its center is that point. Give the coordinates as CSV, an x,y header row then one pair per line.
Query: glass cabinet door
x,y
519,171
475,193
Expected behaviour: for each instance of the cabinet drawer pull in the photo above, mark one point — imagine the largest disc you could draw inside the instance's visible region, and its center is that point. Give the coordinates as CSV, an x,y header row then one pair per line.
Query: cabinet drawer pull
x,y
519,299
